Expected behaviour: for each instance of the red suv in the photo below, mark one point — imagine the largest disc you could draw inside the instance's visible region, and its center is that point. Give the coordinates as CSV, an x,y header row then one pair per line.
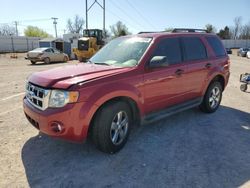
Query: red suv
x,y
133,79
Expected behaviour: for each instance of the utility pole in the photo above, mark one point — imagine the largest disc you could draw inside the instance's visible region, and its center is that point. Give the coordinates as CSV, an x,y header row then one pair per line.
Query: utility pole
x,y
87,14
88,9
15,22
55,22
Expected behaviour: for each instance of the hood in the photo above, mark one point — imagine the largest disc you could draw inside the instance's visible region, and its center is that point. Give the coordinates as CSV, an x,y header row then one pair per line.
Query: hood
x,y
64,77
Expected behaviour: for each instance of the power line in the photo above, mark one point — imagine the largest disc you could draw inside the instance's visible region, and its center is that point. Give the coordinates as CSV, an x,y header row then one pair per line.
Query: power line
x,y
122,19
141,15
125,13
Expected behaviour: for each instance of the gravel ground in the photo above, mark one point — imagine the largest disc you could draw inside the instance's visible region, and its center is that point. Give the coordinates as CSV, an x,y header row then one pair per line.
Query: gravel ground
x,y
189,149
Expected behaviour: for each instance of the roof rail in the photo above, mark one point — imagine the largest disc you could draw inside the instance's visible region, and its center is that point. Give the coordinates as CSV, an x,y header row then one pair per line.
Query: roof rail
x,y
188,30
145,32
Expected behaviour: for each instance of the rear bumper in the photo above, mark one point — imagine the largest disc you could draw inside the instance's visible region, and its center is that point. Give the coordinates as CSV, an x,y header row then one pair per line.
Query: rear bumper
x,y
73,128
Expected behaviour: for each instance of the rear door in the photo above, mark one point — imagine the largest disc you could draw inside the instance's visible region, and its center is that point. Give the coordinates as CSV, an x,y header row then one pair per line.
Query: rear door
x,y
198,66
166,86
58,55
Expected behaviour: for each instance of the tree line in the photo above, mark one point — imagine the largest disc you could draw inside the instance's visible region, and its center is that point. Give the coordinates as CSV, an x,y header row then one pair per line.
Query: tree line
x,y
76,25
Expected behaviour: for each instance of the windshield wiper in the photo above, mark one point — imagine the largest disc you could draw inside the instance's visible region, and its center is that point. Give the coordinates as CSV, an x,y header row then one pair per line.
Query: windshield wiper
x,y
101,64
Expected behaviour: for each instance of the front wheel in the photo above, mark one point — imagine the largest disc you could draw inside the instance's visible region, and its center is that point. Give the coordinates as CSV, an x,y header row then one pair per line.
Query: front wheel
x,y
111,127
212,98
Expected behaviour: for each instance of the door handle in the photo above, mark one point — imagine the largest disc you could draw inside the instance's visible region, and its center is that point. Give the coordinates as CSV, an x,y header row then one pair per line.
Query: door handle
x,y
179,72
208,65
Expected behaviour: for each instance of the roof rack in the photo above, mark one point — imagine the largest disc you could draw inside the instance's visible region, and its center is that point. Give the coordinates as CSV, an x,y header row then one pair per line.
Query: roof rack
x,y
188,30
145,32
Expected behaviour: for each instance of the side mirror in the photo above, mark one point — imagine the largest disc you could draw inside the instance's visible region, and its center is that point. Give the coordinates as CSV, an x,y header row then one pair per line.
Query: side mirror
x,y
158,61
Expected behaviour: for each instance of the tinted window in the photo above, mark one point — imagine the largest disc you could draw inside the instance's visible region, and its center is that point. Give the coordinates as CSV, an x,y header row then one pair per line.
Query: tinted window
x,y
194,48
171,49
216,45
48,50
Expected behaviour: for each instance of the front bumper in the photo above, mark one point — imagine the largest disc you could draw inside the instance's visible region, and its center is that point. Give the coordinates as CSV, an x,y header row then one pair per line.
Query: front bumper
x,y
73,126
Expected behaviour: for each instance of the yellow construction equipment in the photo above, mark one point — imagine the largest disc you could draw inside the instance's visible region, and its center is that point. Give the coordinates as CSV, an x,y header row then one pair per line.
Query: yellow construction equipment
x,y
89,44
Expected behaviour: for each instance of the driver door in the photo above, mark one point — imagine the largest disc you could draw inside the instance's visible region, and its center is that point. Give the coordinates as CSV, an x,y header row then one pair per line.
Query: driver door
x,y
166,86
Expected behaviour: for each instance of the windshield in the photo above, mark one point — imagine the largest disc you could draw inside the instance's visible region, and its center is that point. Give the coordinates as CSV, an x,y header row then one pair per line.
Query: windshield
x,y
122,52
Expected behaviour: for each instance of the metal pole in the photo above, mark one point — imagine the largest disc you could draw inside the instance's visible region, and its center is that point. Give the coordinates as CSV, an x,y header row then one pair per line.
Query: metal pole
x,y
104,29
15,22
86,14
55,22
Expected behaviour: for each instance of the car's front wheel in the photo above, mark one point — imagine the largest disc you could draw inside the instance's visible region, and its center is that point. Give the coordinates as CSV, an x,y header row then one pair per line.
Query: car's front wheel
x,y
212,98
112,126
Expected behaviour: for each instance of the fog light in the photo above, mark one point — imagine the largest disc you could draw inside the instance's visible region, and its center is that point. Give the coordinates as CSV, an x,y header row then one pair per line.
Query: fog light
x,y
57,127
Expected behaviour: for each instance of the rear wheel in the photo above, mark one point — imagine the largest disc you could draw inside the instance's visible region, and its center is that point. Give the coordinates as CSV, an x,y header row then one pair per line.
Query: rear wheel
x,y
111,127
65,59
46,60
212,98
243,87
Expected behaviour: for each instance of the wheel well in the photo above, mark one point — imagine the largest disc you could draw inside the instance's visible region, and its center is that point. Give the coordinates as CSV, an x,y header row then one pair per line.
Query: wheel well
x,y
220,79
131,103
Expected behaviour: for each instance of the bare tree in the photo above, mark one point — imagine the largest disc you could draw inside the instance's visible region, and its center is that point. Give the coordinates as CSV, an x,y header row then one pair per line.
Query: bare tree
x,y
7,30
237,27
119,29
75,25
245,31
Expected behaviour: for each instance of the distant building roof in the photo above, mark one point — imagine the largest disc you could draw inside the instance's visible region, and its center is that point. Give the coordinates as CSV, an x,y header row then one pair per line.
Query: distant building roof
x,y
51,40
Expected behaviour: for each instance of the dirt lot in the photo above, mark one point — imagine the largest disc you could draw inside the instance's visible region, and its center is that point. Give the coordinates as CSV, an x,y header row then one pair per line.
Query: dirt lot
x,y
189,149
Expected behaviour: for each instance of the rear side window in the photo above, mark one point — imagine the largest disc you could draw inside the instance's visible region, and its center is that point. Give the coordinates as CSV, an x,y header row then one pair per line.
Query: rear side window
x,y
194,49
217,46
171,49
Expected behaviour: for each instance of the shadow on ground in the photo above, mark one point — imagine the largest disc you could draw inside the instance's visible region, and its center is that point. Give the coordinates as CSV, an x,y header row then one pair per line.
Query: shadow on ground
x,y
189,149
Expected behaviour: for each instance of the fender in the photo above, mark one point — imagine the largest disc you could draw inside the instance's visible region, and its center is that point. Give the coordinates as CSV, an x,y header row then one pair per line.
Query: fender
x,y
211,75
106,93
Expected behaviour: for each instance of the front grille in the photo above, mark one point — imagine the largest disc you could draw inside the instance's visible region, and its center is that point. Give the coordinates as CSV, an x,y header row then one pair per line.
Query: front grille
x,y
37,96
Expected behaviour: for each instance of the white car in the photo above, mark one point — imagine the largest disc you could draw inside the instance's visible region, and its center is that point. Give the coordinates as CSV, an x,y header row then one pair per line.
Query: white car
x,y
46,55
248,55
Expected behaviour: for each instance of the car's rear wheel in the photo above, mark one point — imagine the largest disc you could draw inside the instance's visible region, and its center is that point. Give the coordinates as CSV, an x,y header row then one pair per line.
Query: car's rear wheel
x,y
65,59
46,60
243,87
111,127
212,98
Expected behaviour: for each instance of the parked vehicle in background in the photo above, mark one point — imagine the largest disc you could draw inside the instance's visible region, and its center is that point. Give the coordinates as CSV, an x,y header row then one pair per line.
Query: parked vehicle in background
x,y
229,50
242,52
46,55
132,79
89,44
248,55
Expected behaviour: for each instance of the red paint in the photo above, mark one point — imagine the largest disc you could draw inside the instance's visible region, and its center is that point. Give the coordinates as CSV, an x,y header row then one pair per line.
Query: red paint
x,y
151,90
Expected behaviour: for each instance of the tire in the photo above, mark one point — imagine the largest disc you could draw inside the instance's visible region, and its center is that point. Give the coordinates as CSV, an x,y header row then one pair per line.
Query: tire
x,y
65,59
46,60
212,98
33,62
243,87
111,127
80,59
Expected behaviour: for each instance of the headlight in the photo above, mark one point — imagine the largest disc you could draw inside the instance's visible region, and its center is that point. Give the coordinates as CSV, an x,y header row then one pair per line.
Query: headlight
x,y
59,98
